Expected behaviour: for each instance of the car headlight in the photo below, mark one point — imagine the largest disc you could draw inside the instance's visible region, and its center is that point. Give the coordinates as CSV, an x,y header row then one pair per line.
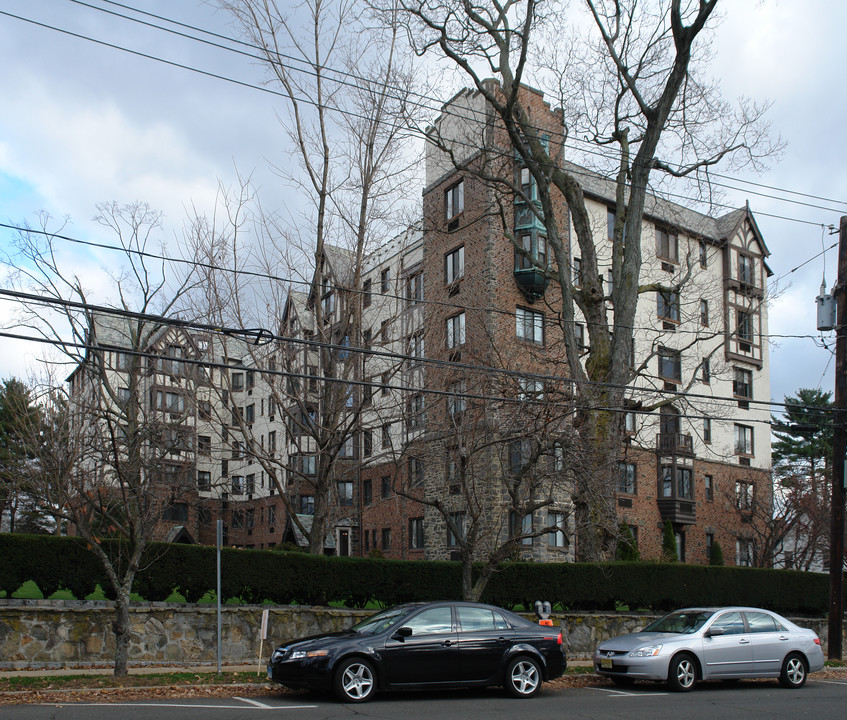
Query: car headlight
x,y
646,651
300,654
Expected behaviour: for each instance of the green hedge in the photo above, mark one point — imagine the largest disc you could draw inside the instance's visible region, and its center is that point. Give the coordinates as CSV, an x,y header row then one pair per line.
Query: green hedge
x,y
254,576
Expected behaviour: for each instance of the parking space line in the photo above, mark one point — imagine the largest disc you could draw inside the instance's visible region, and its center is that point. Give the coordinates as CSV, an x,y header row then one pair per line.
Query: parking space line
x,y
253,702
624,693
829,682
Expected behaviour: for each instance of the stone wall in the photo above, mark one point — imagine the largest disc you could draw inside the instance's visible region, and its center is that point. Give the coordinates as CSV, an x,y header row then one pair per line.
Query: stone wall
x,y
57,634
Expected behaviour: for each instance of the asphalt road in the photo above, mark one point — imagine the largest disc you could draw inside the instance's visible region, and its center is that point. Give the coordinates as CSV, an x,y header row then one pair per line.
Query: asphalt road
x,y
820,699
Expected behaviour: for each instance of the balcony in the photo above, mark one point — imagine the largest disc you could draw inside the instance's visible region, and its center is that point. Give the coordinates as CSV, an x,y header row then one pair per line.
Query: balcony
x,y
674,444
678,511
531,282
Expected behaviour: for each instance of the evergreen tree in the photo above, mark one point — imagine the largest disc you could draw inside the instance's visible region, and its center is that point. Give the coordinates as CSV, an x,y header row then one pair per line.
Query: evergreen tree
x,y
716,556
627,549
669,551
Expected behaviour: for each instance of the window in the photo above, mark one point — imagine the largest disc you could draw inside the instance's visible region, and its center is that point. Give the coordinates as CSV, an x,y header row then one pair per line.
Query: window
x,y
250,414
416,348
746,269
124,361
744,326
307,506
251,379
527,184
416,472
385,482
577,272
667,245
744,495
272,441
454,265
385,280
456,331
237,485
743,440
529,325
345,493
667,303
744,553
533,252
384,331
434,621
519,451
630,422
556,538
704,313
709,488
710,541
457,520
704,255
367,293
414,288
204,410
171,402
237,451
204,480
530,389
626,478
670,365
579,334
171,363
520,527
706,371
271,407
386,538
386,435
384,387
415,412
455,470
760,622
367,492
176,512
456,400
610,223
347,449
707,430
367,443
237,381
742,383
454,200
416,533
204,444
250,483
684,484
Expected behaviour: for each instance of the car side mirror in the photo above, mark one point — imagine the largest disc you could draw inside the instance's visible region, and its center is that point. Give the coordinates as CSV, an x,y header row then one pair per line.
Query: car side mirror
x,y
403,632
714,632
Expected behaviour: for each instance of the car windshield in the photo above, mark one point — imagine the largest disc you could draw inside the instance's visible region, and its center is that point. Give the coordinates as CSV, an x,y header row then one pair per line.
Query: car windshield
x,y
381,621
683,622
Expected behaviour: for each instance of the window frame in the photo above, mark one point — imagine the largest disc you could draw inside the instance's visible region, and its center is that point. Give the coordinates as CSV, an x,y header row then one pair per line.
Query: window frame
x,y
529,325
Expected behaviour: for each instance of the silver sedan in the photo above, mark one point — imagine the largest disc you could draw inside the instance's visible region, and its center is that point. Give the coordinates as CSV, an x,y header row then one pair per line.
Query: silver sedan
x,y
712,644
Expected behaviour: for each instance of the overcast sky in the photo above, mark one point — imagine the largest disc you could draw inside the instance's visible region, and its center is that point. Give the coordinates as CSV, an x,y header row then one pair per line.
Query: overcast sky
x,y
82,123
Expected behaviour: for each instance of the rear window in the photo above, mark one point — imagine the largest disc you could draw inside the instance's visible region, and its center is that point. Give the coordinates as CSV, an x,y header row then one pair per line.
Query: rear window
x,y
760,622
475,619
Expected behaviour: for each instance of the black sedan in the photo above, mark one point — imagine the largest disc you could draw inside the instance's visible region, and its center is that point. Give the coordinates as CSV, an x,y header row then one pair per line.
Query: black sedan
x,y
424,645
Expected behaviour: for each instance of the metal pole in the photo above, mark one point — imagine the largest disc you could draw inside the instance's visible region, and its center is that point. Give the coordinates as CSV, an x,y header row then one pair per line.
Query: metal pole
x,y
839,446
220,540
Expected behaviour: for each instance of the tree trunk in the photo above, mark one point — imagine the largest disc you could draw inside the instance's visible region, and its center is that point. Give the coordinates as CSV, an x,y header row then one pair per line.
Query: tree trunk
x,y
121,628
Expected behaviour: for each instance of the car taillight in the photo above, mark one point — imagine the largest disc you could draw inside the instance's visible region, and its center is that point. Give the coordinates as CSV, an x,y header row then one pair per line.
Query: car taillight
x,y
559,639
817,641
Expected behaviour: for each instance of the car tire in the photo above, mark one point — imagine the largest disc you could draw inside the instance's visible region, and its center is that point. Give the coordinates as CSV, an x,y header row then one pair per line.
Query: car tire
x,y
354,681
682,673
523,677
794,671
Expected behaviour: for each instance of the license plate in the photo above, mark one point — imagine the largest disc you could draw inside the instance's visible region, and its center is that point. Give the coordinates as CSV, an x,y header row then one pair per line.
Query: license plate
x,y
606,663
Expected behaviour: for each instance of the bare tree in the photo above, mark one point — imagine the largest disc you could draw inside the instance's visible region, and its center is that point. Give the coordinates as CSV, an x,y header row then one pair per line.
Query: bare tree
x,y
106,470
346,88
631,88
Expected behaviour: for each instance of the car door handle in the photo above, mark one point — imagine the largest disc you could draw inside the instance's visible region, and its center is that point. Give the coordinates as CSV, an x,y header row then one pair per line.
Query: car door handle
x,y
501,639
447,643
784,637
743,641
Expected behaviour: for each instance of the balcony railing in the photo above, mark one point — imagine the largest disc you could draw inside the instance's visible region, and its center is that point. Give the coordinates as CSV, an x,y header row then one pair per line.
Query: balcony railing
x,y
676,443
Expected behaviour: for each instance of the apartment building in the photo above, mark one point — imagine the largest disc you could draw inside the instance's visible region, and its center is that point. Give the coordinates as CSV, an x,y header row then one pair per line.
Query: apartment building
x,y
424,396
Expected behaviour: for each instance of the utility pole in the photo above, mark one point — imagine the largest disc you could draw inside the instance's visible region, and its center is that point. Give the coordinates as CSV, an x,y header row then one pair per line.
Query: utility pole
x,y
839,447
